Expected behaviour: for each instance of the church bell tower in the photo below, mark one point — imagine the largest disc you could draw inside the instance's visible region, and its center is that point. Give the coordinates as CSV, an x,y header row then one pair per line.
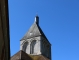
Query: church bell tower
x,y
35,42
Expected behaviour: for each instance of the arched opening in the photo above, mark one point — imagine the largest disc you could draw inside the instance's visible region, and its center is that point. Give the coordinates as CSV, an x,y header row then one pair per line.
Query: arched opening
x,y
32,46
25,46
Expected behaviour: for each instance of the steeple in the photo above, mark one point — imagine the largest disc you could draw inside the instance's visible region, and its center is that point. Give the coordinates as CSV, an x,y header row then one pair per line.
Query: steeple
x,y
35,42
34,30
37,19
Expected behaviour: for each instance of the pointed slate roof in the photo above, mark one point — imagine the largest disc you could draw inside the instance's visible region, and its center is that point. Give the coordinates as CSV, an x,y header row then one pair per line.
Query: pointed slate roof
x,y
34,30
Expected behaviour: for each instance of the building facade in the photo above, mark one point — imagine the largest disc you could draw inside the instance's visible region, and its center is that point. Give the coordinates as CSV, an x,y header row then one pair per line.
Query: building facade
x,y
35,43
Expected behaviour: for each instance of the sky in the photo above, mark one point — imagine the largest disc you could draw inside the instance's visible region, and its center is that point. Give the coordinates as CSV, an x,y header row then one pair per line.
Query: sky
x,y
59,20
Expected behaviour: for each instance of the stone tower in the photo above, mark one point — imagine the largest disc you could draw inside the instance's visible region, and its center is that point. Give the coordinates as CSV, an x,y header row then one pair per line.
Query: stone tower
x,y
35,42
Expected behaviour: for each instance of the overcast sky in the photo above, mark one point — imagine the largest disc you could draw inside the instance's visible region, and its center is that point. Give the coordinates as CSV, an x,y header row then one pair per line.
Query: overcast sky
x,y
59,20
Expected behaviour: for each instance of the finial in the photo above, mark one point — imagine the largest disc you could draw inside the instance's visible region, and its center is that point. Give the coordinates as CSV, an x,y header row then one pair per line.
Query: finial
x,y
36,19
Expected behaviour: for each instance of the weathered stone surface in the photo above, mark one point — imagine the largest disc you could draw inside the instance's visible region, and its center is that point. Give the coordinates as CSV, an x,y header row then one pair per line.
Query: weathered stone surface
x,y
37,47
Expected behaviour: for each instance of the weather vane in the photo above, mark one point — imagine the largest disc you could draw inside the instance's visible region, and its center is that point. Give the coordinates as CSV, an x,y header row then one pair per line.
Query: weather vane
x,y
37,13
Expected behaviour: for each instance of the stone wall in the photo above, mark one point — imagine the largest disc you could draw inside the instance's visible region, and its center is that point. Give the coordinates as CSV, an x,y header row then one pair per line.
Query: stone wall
x,y
33,46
